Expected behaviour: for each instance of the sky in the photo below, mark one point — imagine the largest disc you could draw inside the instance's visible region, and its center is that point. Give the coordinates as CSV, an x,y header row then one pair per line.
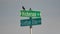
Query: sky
x,y
10,19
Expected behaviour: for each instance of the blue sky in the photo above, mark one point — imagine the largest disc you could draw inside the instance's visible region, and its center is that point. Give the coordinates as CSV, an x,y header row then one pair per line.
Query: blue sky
x,y
10,19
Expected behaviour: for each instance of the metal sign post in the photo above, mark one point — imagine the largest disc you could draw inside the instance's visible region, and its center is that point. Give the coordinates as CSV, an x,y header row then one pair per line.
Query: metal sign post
x,y
31,24
30,29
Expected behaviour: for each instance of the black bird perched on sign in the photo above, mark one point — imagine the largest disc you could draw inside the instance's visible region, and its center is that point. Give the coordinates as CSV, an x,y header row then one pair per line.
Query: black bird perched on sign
x,y
23,8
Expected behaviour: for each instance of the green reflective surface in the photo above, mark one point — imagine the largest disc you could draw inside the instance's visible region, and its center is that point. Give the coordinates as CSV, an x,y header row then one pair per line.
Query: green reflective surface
x,y
29,22
29,13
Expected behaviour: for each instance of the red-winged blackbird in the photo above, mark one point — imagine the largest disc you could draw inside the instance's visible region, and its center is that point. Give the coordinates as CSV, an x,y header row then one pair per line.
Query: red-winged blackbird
x,y
23,8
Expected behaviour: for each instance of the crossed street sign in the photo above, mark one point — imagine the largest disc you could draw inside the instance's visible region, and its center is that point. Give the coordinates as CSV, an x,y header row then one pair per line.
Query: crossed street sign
x,y
30,13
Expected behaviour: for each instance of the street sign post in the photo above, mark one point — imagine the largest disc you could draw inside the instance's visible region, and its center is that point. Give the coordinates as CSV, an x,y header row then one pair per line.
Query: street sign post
x,y
29,13
30,22
27,22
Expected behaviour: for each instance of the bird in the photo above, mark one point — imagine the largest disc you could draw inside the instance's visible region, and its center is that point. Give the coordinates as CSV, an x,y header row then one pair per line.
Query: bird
x,y
23,8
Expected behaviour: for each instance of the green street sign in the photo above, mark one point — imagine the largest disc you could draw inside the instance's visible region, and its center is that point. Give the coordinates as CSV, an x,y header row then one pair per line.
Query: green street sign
x,y
29,22
29,13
